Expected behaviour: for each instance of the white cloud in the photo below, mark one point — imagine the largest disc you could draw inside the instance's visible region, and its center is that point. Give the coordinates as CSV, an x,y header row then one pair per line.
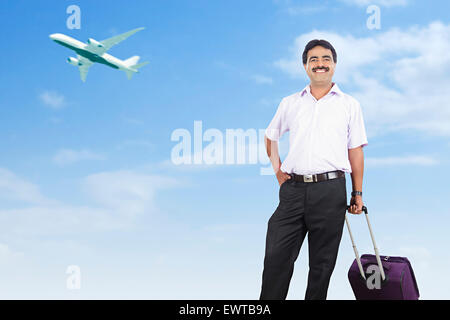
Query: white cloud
x,y
125,191
69,156
58,220
169,165
52,99
134,143
256,77
398,79
260,79
401,161
36,214
119,196
420,255
384,3
15,188
294,10
7,255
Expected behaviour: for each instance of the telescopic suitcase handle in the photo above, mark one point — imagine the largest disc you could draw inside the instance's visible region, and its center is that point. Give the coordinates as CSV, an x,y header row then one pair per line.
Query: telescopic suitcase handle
x,y
377,254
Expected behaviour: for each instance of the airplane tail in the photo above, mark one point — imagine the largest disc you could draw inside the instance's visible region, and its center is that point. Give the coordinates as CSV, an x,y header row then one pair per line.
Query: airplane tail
x,y
131,61
133,66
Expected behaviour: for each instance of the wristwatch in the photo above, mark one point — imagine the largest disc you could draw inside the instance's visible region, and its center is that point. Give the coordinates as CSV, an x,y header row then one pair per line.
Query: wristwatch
x,y
356,193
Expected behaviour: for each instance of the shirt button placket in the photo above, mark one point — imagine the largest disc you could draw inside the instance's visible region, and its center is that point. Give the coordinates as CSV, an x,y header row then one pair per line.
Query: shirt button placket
x,y
314,121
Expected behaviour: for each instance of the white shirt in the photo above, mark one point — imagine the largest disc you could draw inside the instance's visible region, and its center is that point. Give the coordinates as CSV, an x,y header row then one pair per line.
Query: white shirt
x,y
321,131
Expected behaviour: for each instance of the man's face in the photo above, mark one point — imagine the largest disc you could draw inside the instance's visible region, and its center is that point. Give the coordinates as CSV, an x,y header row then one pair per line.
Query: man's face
x,y
320,65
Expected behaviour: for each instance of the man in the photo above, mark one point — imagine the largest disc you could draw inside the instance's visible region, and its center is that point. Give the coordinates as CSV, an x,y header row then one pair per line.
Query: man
x,y
326,138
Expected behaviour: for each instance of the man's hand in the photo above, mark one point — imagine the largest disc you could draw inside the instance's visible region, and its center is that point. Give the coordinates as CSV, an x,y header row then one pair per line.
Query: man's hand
x,y
282,177
356,204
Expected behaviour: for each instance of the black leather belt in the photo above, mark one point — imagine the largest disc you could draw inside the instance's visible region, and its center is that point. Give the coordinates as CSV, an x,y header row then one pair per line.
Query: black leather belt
x,y
318,177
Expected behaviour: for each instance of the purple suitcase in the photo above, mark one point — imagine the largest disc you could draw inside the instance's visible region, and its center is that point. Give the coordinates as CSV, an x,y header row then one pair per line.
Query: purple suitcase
x,y
375,277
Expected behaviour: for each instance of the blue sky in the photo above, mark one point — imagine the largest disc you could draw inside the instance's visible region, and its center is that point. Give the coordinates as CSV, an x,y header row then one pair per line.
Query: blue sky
x,y
86,176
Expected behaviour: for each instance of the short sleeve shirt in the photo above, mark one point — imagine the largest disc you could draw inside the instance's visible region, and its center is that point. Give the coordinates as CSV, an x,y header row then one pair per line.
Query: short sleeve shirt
x,y
320,131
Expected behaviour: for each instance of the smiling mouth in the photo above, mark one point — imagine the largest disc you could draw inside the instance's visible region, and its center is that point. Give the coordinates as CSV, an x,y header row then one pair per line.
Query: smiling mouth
x,y
321,70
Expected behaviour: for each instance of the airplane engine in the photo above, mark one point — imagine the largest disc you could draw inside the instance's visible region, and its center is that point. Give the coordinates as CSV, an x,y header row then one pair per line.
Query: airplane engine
x,y
95,43
74,61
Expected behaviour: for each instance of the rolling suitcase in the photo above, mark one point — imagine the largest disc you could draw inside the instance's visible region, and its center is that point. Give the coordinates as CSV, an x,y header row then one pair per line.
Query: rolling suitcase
x,y
375,277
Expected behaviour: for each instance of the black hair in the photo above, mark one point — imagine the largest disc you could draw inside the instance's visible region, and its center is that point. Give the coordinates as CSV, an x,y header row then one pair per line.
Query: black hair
x,y
317,42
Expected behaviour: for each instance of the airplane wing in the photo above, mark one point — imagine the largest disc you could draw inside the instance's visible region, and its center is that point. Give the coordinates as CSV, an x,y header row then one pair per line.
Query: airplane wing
x,y
108,43
84,68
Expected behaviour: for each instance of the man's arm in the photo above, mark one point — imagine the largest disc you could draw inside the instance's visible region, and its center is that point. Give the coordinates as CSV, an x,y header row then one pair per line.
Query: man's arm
x,y
356,157
272,153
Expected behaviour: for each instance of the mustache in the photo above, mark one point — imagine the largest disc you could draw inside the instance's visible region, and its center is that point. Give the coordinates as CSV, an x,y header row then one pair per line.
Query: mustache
x,y
321,68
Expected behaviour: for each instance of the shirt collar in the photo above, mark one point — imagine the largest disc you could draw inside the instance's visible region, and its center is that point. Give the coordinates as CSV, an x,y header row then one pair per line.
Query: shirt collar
x,y
334,89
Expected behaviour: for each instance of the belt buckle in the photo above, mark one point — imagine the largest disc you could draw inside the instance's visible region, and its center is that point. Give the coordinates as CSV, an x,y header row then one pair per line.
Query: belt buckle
x,y
308,178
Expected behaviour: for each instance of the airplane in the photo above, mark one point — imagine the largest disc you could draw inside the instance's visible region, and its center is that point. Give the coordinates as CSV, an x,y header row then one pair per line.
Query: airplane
x,y
95,51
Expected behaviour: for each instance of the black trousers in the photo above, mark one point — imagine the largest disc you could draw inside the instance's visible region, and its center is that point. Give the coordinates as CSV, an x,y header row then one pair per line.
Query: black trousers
x,y
313,208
